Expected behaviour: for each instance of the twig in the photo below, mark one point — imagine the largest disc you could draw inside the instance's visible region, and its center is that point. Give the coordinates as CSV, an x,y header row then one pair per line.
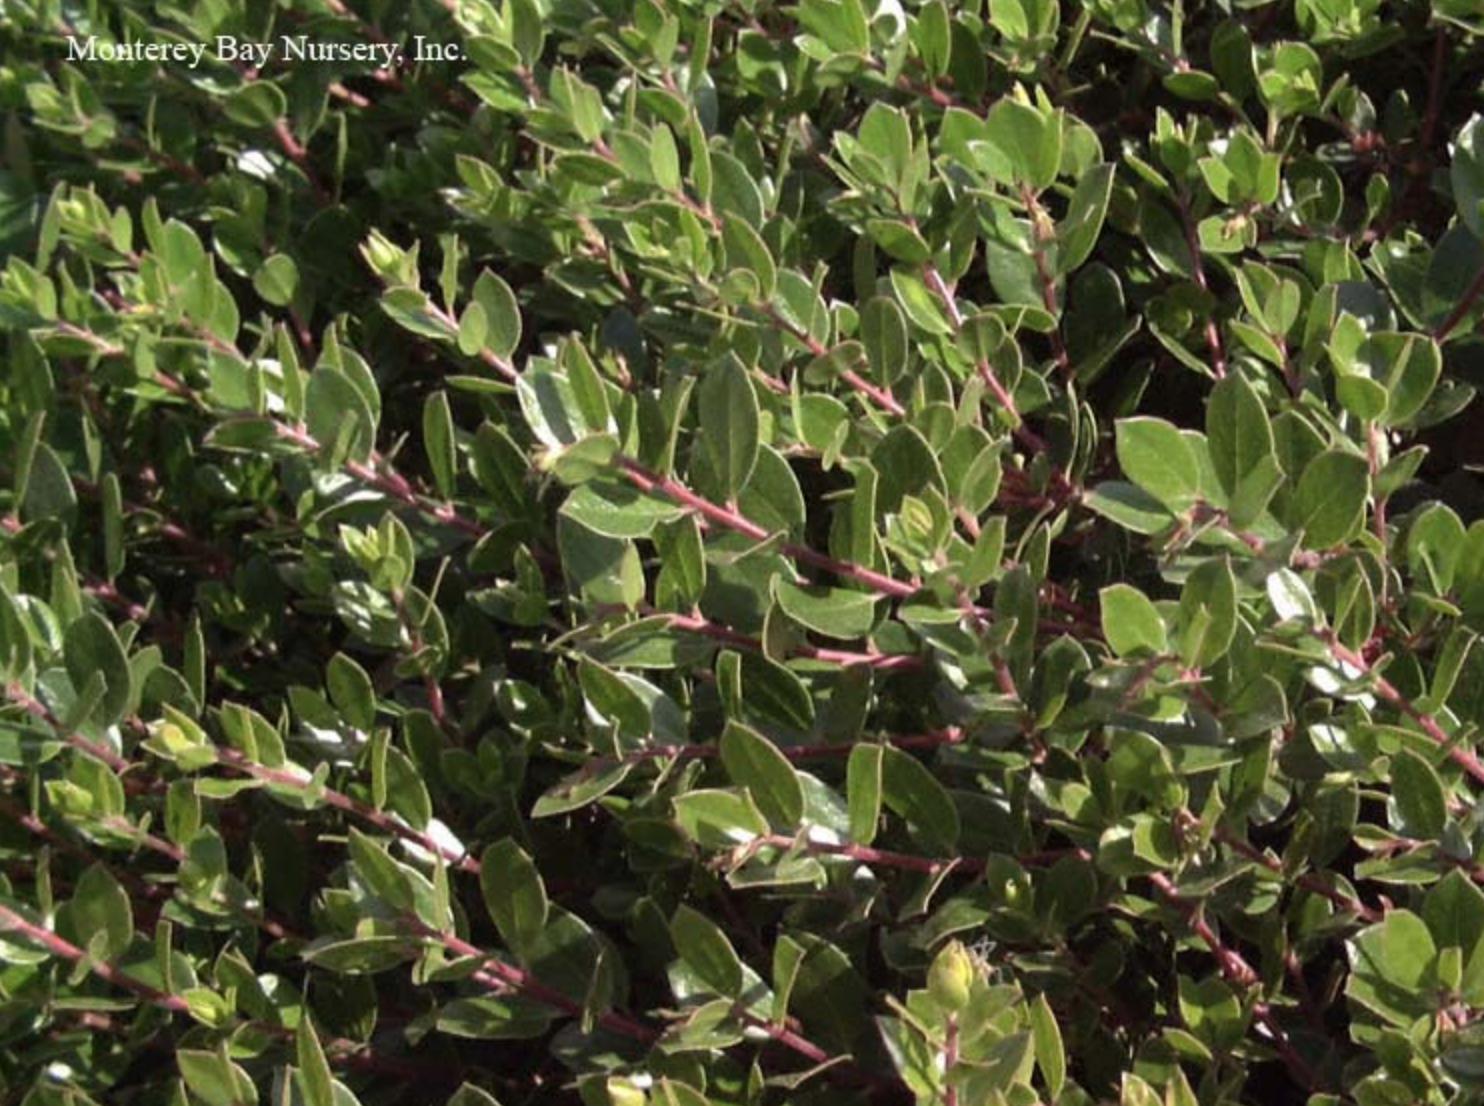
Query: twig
x,y
336,1049
1240,974
732,519
1464,758
1198,273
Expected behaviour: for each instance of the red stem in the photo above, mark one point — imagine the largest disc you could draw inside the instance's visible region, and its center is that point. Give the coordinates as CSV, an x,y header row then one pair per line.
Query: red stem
x,y
1310,881
886,858
60,947
17,694
1464,758
1240,974
950,736
1198,272
730,518
875,393
294,150
697,624
1461,308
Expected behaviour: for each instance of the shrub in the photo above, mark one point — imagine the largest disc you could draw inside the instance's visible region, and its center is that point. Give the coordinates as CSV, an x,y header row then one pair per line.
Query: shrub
x,y
697,553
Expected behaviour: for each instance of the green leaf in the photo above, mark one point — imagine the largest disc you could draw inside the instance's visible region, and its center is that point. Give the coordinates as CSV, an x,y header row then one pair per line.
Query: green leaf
x,y
1208,612
1418,795
834,612
513,893
383,876
863,789
617,509
883,331
1155,456
919,304
550,407
438,440
900,240
1078,232
1050,1057
351,691
788,956
1290,597
1454,913
841,24
715,818
932,36
706,951
773,692
500,468
1291,80
501,313
468,1094
1466,174
747,250
49,491
495,1018
1392,966
473,329
111,498
1022,144
338,416
1212,1012
674,1093
682,578
1238,430
1412,366
215,1079
1129,506
255,105
25,454
1329,503
603,569
578,790
313,1075
184,257
360,955
886,134
729,423
664,158
914,793
277,279
91,646
100,913
755,763
588,390
1131,623
1435,544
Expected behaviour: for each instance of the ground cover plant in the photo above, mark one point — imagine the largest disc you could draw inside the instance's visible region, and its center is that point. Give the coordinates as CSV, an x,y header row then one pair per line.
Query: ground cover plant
x,y
708,551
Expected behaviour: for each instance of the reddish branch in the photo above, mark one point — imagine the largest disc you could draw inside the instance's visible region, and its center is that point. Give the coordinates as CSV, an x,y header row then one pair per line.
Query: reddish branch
x,y
697,624
1309,881
20,696
986,372
1198,273
1240,974
886,858
501,976
1464,758
878,395
1041,233
337,1050
730,518
1461,309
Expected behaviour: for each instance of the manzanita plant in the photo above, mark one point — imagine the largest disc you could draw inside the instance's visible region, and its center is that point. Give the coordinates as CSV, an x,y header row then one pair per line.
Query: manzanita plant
x,y
716,552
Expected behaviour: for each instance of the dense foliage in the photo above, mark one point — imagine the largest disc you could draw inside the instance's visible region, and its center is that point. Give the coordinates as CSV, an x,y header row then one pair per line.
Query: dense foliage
x,y
697,551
